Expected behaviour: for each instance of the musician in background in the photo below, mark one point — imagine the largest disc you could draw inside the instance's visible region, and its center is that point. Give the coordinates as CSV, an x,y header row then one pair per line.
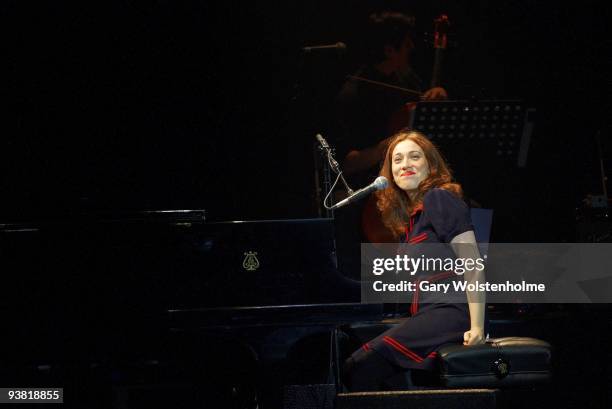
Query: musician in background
x,y
368,113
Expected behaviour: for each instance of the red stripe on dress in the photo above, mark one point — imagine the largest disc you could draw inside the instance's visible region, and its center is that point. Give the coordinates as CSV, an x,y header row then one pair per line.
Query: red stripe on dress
x,y
415,299
418,208
414,307
410,225
365,347
417,239
419,235
405,351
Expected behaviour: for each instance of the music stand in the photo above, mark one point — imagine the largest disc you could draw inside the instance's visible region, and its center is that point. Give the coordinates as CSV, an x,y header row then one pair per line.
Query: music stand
x,y
499,129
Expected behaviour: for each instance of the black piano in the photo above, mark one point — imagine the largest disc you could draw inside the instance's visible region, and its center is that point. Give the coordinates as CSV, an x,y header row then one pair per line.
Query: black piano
x,y
135,307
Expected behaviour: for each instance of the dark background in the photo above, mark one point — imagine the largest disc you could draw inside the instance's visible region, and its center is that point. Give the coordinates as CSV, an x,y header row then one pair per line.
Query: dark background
x,y
142,105
130,105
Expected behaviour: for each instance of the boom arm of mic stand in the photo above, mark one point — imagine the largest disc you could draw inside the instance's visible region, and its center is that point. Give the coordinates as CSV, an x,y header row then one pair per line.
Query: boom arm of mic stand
x,y
348,188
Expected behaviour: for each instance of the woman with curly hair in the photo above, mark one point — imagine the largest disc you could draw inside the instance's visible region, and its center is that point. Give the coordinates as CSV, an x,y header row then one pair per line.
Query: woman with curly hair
x,y
422,204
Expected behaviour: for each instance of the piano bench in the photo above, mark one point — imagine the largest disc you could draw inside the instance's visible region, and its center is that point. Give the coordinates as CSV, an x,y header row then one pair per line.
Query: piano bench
x,y
501,363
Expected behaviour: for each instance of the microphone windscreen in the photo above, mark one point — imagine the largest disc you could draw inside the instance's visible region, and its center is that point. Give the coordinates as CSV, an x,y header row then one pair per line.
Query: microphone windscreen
x,y
381,182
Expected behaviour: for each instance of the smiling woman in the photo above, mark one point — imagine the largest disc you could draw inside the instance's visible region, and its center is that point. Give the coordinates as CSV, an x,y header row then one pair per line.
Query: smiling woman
x,y
422,204
416,166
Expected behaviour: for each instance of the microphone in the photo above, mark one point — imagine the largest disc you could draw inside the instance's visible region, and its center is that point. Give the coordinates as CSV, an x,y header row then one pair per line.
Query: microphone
x,y
379,183
339,46
322,141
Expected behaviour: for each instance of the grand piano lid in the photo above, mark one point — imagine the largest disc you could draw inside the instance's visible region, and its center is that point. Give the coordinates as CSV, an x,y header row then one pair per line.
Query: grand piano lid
x,y
196,216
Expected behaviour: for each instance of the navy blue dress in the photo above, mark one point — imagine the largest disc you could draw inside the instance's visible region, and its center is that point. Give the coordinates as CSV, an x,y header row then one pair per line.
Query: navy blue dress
x,y
413,343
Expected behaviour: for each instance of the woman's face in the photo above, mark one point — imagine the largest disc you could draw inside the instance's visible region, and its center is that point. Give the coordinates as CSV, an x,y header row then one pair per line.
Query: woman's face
x,y
408,165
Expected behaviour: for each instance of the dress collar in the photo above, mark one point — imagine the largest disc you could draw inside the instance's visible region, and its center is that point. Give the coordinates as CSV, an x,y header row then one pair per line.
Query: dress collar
x,y
418,208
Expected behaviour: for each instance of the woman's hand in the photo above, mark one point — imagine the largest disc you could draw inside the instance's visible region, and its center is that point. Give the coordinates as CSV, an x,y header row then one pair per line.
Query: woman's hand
x,y
474,336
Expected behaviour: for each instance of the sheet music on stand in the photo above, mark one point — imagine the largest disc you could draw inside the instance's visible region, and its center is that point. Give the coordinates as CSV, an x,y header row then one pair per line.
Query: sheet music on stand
x,y
498,129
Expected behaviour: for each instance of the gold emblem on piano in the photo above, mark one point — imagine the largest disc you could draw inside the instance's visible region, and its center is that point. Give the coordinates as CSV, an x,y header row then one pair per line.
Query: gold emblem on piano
x,y
250,262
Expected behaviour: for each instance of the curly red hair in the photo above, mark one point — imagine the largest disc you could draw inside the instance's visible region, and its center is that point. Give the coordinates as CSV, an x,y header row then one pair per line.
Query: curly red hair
x,y
394,204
